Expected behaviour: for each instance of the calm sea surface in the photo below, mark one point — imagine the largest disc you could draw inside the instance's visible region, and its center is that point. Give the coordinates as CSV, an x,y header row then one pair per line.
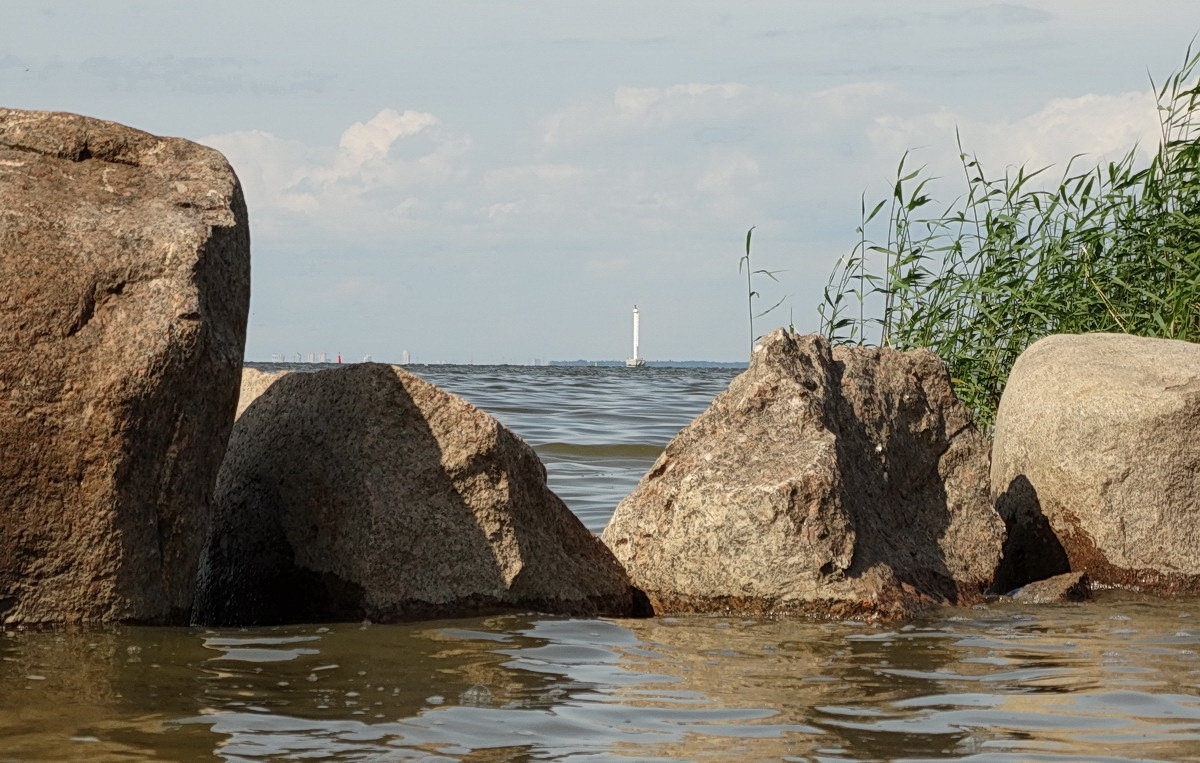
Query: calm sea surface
x,y
1112,680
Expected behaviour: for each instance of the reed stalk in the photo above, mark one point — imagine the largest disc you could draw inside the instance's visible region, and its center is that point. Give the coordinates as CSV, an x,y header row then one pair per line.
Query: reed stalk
x,y
1114,247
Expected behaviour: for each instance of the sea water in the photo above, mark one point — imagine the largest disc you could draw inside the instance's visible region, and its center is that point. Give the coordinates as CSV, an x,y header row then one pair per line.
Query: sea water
x,y
1115,679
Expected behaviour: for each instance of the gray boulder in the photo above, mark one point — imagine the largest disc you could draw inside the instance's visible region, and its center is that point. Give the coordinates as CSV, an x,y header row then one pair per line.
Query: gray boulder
x,y
844,483
366,492
1096,461
254,383
126,264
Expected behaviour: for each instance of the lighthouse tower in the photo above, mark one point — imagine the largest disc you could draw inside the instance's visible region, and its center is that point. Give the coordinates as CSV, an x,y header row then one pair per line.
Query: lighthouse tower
x,y
635,360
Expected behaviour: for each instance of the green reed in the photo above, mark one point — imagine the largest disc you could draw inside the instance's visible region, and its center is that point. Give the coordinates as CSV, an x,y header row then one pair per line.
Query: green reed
x,y
751,294
1115,247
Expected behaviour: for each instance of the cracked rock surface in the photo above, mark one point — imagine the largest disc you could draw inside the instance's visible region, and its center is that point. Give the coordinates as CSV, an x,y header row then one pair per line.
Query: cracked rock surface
x,y
839,483
1096,461
125,263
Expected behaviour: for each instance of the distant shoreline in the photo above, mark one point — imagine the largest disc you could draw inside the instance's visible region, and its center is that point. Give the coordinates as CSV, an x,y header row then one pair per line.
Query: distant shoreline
x,y
653,363
552,363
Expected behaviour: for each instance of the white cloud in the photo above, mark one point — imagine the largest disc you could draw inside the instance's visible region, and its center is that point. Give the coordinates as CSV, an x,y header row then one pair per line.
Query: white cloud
x,y
502,211
730,170
1101,127
381,174
718,112
267,166
669,169
677,162
363,141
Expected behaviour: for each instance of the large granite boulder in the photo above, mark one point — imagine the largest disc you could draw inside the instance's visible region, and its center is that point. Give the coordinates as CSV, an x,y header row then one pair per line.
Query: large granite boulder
x,y
125,259
254,383
849,483
1096,461
366,492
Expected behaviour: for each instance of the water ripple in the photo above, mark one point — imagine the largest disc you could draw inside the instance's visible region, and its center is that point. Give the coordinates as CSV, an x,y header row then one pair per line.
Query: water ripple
x,y
1117,679
598,430
1002,682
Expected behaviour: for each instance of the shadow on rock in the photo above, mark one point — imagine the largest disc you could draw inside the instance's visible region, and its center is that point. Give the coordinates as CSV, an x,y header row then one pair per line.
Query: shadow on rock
x,y
829,482
1096,437
1031,549
366,492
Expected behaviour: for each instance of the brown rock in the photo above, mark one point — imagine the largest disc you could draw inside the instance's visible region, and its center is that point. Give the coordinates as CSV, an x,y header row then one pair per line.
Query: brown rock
x,y
1071,586
365,491
1096,461
254,383
844,483
125,259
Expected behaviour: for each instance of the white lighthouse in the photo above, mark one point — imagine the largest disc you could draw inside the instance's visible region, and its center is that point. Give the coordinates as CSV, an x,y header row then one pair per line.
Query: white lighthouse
x,y
635,360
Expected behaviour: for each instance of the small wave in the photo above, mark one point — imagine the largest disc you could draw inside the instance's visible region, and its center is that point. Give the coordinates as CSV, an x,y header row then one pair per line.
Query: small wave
x,y
606,450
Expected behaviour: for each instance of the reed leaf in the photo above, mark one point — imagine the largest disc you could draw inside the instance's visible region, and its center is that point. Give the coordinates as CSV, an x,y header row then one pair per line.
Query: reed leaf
x,y
1113,247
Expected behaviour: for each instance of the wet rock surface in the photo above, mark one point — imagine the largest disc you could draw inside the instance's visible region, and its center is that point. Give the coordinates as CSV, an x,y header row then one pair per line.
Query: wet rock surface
x,y
366,492
1096,461
844,483
125,259
1071,586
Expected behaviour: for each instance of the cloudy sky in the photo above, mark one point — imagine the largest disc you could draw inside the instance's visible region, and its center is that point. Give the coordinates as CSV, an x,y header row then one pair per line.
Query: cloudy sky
x,y
501,181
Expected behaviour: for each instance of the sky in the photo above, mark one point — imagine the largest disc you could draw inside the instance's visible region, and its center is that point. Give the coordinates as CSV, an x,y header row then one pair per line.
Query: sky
x,y
500,182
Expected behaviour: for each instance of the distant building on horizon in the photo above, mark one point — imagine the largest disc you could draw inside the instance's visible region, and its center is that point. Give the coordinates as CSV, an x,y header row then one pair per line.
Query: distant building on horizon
x,y
737,364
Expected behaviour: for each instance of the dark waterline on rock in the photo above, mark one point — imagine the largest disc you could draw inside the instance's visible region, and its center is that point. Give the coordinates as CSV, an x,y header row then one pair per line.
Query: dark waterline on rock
x,y
1113,679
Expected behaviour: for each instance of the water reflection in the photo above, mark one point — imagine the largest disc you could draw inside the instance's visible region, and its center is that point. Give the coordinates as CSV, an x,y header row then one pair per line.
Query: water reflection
x,y
1117,678
1114,679
106,693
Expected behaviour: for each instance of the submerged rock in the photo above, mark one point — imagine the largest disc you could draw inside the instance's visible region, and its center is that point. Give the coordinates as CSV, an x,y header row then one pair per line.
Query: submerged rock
x,y
365,491
844,483
126,264
1071,586
1096,461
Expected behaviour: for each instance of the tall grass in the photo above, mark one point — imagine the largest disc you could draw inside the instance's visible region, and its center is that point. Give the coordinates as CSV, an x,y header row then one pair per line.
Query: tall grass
x,y
751,294
1114,247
